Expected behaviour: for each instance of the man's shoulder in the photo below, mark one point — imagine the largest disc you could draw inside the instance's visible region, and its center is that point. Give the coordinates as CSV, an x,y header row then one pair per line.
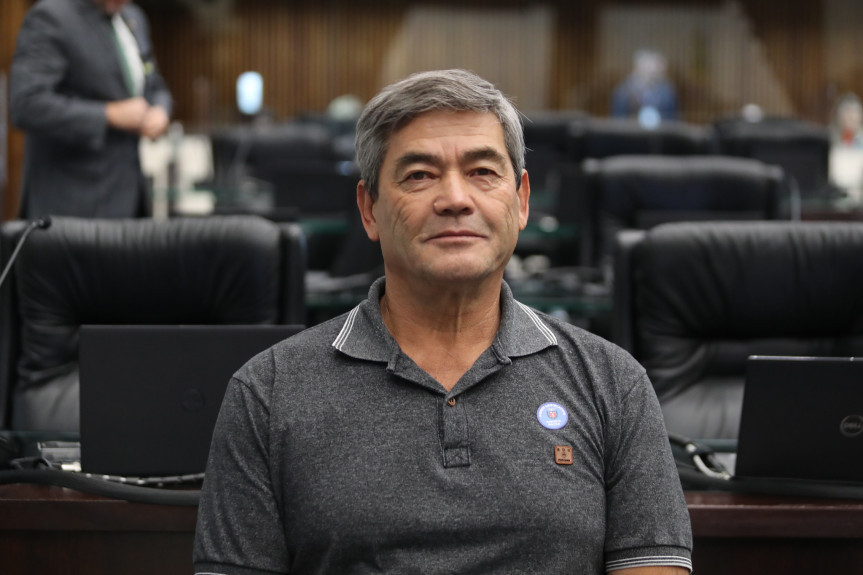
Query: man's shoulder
x,y
573,335
577,342
307,345
58,16
316,337
294,362
65,8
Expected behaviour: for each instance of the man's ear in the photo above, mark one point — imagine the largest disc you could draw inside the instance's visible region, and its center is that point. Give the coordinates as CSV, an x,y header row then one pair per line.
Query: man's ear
x,y
523,200
366,204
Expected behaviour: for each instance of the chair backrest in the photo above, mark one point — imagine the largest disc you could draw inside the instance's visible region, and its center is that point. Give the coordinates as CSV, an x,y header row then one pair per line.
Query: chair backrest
x,y
801,148
693,300
548,139
314,189
639,192
607,137
252,150
9,325
217,270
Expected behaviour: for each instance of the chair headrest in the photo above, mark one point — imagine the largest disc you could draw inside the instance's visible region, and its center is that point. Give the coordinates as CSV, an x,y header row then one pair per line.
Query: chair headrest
x,y
708,295
181,271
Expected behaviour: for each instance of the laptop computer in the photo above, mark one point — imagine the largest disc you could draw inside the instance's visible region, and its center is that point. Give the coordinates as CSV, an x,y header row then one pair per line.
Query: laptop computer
x,y
150,394
802,418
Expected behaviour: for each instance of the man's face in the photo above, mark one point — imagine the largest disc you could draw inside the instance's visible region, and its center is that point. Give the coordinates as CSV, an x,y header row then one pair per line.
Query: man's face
x,y
447,208
111,6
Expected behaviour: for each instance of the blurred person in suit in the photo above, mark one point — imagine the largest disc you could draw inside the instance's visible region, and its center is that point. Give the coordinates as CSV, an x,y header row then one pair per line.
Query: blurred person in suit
x,y
646,91
85,87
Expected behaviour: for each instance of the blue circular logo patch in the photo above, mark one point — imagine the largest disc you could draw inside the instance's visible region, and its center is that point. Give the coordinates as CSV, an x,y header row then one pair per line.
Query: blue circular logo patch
x,y
552,415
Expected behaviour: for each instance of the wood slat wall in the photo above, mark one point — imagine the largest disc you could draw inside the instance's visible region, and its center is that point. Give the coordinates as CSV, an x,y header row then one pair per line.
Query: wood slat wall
x,y
11,14
310,51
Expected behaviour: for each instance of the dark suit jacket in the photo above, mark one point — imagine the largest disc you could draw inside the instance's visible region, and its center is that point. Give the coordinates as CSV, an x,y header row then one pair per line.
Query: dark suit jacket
x,y
66,67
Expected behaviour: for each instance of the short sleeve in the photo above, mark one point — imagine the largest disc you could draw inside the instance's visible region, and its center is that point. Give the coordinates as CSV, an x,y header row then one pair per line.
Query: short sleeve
x,y
647,518
240,528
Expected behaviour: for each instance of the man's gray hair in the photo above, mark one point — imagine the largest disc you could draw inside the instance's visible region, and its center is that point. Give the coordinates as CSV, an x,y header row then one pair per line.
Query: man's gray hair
x,y
454,90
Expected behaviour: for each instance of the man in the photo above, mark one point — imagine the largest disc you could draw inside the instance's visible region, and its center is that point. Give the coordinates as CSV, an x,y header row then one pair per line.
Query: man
x,y
441,426
84,87
646,93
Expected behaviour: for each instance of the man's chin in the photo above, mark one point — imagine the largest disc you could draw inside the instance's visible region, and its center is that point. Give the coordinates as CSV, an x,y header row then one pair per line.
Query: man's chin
x,y
461,274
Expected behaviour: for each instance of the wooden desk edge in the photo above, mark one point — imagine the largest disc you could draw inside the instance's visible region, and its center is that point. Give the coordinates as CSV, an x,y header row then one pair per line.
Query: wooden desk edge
x,y
713,514
46,508
725,514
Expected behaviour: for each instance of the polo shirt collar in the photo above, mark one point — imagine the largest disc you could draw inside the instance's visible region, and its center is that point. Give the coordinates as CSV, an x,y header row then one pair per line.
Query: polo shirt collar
x,y
364,336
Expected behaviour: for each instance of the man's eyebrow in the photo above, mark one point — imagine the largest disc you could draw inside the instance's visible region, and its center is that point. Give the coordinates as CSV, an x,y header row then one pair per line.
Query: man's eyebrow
x,y
487,153
416,158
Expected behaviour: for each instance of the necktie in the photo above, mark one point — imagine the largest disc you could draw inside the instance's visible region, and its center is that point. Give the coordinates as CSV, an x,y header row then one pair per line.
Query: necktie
x,y
124,56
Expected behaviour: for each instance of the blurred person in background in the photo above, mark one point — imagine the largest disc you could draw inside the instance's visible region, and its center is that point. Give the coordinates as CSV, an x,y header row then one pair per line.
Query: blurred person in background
x,y
646,92
84,87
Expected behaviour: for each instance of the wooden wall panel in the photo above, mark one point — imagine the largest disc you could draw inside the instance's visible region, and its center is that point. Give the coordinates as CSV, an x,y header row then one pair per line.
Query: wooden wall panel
x,y
794,41
310,51
11,15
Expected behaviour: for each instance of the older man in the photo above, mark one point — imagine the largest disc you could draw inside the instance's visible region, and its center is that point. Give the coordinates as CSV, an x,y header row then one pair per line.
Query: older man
x,y
441,426
85,87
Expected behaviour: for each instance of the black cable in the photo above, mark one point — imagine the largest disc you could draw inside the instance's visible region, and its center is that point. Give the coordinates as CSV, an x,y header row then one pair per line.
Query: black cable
x,y
691,477
694,479
101,487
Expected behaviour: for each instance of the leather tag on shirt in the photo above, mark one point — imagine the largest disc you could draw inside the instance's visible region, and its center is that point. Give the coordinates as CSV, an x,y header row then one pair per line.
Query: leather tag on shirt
x,y
563,454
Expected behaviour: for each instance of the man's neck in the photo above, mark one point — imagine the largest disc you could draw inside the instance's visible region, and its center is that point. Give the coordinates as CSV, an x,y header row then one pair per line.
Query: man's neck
x,y
443,330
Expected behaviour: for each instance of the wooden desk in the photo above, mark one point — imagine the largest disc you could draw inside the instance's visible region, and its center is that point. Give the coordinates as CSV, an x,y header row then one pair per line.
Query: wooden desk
x,y
52,530
740,534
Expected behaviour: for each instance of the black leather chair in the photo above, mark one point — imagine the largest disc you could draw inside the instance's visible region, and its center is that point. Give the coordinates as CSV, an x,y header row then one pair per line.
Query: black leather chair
x,y
218,270
251,151
693,300
314,190
607,137
801,148
639,192
547,137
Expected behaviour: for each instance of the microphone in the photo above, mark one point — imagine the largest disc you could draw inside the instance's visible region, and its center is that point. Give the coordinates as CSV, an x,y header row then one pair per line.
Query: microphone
x,y
42,223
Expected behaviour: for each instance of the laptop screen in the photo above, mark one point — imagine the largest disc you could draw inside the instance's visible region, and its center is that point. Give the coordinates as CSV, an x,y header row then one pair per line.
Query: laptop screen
x,y
150,394
802,418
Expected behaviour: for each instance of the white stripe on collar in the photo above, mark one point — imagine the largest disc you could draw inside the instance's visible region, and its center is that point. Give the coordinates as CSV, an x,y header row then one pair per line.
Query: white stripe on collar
x,y
544,329
346,329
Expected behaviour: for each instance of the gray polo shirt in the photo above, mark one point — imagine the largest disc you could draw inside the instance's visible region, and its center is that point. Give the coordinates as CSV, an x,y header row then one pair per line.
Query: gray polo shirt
x,y
335,453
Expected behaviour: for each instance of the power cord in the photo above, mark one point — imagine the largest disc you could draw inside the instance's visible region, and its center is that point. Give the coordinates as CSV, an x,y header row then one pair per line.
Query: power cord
x,y
701,470
101,485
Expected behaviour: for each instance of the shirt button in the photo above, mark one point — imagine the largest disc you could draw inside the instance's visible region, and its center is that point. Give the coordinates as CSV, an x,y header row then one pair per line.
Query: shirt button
x,y
451,401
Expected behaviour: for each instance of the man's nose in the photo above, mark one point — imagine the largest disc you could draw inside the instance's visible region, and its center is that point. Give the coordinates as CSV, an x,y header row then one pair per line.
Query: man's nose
x,y
454,195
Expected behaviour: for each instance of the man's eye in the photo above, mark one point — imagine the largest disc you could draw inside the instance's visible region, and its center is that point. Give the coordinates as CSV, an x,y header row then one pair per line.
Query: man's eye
x,y
484,172
417,176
